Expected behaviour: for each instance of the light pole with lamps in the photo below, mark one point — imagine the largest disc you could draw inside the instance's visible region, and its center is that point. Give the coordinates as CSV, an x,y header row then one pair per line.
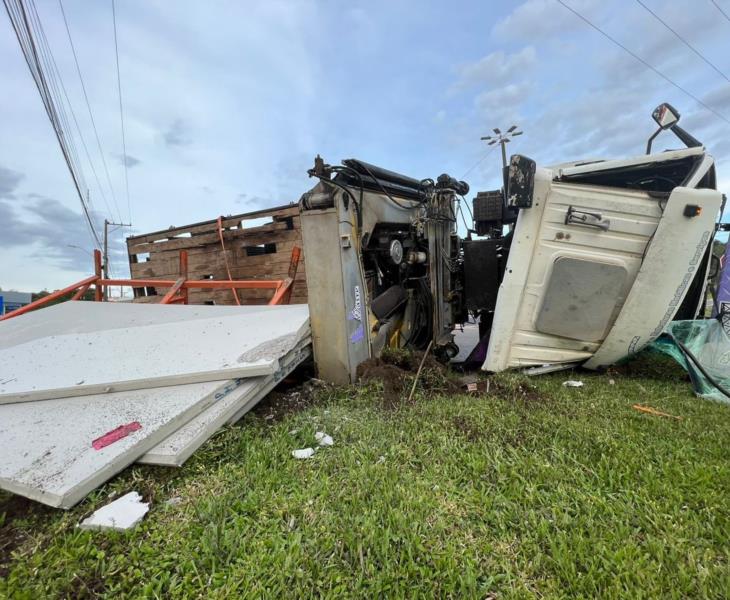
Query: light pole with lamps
x,y
502,139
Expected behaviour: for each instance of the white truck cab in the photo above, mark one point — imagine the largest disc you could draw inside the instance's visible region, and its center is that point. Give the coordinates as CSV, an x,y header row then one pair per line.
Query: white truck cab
x,y
603,255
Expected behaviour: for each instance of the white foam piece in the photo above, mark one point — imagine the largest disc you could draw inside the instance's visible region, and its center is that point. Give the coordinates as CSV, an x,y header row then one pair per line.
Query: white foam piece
x,y
323,439
81,348
47,452
303,453
180,445
120,515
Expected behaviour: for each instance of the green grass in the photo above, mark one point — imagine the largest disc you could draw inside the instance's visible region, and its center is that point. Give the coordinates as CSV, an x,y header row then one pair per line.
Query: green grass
x,y
550,492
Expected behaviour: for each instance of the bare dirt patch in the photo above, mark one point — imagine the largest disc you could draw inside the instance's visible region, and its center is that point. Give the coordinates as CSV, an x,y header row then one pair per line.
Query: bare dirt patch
x,y
395,370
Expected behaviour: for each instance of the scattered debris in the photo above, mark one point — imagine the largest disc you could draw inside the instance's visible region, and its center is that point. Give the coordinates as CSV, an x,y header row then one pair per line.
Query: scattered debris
x,y
120,515
323,439
653,411
303,453
572,383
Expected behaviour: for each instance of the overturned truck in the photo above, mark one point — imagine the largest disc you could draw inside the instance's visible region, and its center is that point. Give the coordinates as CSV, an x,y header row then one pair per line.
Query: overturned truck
x,y
582,263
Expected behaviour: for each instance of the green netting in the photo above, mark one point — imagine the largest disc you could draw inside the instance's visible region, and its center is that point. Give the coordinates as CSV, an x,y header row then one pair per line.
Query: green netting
x,y
708,342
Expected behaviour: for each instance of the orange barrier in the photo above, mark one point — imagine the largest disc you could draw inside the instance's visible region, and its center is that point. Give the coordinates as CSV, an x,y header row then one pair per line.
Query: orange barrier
x,y
178,288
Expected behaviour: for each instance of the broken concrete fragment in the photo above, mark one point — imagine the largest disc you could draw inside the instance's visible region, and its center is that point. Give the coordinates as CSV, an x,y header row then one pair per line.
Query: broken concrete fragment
x,y
572,383
323,439
303,453
120,515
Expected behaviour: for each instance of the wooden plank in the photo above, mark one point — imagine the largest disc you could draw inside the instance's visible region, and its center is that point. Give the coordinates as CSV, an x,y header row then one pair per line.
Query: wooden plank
x,y
251,236
277,213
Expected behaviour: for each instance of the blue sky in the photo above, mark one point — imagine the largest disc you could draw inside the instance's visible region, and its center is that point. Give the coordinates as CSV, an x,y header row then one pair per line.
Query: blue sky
x,y
226,103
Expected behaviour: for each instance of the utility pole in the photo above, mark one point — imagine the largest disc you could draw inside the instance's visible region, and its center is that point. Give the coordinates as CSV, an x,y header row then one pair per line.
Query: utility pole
x,y
105,263
502,139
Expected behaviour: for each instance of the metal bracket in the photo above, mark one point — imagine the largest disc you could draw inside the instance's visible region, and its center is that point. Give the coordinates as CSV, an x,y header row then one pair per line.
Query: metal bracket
x,y
588,219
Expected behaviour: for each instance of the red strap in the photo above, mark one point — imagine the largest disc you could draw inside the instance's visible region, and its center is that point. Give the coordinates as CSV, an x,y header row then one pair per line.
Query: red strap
x,y
115,435
225,258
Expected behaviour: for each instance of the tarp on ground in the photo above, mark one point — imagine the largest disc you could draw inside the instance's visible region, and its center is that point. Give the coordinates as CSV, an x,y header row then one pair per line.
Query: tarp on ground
x,y
709,344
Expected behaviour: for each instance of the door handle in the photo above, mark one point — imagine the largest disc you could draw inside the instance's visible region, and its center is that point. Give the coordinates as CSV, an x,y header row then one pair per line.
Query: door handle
x,y
587,219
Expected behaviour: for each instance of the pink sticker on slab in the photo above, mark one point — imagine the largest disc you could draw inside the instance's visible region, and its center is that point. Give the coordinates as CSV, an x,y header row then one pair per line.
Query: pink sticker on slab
x,y
115,435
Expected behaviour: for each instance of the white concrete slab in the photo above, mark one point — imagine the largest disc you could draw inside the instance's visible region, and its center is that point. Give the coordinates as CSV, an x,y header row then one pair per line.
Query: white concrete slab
x,y
120,515
47,452
180,445
75,349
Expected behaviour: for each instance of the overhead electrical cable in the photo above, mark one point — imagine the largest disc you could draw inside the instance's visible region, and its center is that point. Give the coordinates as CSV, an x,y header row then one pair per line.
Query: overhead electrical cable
x,y
55,81
479,162
27,34
91,114
684,41
646,64
121,114
76,123
717,6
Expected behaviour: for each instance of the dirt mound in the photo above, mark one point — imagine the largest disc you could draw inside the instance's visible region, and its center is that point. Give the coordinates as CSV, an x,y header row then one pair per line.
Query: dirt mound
x,y
395,370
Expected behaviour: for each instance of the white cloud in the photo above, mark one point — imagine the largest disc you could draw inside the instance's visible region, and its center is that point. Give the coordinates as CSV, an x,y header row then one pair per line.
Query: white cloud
x,y
539,20
497,68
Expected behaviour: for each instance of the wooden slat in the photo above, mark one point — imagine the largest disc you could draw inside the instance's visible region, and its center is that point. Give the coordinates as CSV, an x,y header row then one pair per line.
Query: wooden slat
x,y
205,257
210,226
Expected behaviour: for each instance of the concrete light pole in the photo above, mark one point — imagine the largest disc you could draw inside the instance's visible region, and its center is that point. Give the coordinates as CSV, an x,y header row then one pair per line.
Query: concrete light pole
x,y
502,139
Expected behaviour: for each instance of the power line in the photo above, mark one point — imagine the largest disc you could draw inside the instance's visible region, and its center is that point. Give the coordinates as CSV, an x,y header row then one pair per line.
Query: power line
x,y
121,114
646,64
73,115
27,34
479,162
685,42
717,6
88,107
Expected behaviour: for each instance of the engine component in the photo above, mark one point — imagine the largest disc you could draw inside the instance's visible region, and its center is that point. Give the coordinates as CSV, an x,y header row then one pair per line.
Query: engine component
x,y
396,252
417,258
384,305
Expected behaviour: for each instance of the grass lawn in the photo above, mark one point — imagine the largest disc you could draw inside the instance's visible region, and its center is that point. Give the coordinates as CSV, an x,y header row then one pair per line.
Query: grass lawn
x,y
532,489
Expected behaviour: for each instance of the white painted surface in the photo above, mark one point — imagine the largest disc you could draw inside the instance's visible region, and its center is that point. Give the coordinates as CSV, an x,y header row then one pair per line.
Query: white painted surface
x,y
591,166
180,445
542,237
46,446
120,515
76,348
666,273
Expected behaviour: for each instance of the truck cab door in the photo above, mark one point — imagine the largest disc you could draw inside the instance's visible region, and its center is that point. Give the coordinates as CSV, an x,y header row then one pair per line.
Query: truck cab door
x,y
575,260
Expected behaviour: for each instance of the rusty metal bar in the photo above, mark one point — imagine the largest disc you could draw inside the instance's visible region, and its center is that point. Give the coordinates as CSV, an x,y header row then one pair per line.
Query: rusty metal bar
x,y
81,291
202,284
50,298
172,292
281,296
296,253
98,285
183,275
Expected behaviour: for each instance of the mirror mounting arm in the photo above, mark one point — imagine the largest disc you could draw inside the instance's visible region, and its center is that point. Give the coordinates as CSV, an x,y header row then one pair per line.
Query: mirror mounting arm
x,y
651,139
687,138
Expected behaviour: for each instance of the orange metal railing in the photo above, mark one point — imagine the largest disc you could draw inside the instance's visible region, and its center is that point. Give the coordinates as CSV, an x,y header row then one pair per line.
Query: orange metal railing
x,y
178,288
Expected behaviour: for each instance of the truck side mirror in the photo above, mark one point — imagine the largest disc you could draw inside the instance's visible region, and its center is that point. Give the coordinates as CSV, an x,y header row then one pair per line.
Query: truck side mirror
x,y
665,116
520,181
